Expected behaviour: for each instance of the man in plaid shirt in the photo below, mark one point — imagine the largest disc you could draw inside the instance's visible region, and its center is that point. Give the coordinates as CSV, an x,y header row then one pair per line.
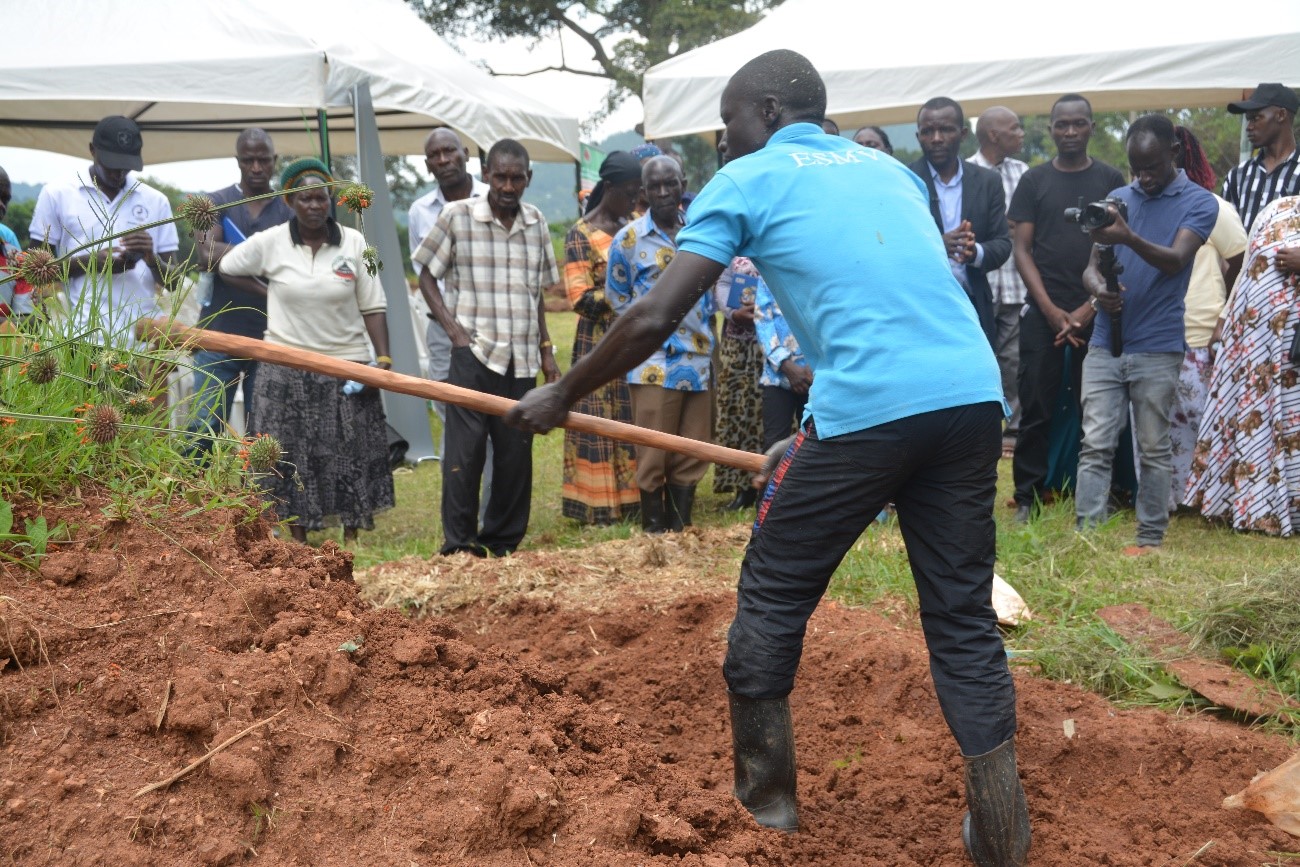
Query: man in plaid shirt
x,y
484,269
1000,135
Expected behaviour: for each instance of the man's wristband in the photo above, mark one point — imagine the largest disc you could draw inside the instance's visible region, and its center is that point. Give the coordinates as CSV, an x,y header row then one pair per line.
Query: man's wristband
x,y
546,344
383,359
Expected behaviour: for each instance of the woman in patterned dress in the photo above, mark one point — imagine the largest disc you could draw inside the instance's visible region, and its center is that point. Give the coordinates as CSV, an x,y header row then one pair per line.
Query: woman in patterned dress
x,y
1246,469
739,394
599,473
320,297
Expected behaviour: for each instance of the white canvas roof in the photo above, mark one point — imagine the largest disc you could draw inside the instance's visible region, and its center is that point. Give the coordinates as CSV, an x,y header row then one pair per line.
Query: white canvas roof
x,y
194,74
881,63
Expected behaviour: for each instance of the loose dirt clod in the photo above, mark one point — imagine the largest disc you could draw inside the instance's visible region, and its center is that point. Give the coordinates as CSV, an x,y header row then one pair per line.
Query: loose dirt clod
x,y
566,708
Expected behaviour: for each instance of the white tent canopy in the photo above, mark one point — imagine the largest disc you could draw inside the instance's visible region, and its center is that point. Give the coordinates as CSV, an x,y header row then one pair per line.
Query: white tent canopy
x,y
193,74
880,63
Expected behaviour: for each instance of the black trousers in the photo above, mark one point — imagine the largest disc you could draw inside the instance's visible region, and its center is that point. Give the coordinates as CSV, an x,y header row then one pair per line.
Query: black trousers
x,y
782,410
940,470
467,433
1039,384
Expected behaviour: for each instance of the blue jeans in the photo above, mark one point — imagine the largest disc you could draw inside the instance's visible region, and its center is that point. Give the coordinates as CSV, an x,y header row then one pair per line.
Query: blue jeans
x,y
216,375
1146,381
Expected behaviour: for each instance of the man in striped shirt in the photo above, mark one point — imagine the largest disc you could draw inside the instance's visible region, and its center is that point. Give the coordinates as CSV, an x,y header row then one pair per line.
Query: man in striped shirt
x,y
1274,170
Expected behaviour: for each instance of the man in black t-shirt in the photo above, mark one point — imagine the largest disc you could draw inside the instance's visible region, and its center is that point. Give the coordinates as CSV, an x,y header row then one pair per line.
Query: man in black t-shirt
x,y
237,304
1051,255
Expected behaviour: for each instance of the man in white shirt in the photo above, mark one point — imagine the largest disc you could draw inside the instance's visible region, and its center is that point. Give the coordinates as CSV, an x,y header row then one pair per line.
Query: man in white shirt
x,y
111,286
444,157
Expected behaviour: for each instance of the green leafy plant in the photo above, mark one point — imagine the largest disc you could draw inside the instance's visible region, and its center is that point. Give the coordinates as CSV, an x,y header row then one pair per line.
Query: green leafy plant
x,y
85,405
28,547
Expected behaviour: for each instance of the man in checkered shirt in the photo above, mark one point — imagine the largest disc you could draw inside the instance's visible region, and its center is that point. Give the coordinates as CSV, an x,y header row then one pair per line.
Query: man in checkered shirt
x,y
1274,170
484,269
1000,135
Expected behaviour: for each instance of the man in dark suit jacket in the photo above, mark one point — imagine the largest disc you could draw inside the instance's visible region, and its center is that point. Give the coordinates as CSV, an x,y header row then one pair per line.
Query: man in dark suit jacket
x,y
967,203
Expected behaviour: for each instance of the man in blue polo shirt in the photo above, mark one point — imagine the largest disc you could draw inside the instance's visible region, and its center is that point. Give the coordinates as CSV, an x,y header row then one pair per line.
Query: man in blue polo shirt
x,y
1169,219
906,407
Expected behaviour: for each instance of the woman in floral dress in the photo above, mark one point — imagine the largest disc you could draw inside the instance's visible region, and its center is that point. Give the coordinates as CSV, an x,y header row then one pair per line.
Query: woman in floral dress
x,y
599,473
1246,469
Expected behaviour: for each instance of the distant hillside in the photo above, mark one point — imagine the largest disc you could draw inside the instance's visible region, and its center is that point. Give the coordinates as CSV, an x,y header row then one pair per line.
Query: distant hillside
x,y
26,191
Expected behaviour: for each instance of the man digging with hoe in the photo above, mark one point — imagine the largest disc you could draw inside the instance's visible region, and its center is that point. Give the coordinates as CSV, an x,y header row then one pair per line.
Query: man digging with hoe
x,y
906,408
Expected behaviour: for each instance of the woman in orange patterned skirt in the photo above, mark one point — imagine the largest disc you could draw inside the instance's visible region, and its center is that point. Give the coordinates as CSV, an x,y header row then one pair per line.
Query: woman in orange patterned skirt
x,y
599,473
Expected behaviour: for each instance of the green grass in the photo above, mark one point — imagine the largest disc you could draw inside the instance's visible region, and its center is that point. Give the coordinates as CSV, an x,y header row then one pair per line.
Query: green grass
x,y
414,526
1238,595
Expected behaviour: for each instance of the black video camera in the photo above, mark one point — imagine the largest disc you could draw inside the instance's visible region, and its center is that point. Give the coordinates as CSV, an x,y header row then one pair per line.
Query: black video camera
x,y
1096,215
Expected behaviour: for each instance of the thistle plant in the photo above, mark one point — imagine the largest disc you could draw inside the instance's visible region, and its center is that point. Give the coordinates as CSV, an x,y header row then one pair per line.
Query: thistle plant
x,y
83,405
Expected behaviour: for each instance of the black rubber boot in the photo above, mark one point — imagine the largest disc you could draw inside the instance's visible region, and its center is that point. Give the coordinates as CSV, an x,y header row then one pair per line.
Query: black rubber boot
x,y
743,500
680,500
653,517
762,739
996,829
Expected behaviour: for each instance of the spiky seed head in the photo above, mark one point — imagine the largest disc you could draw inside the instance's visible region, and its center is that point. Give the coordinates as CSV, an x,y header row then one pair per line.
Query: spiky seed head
x,y
200,212
103,422
137,405
374,264
264,452
38,267
356,197
43,368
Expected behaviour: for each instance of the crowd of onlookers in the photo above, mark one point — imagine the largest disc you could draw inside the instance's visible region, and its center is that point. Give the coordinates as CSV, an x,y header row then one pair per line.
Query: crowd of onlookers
x,y
1145,330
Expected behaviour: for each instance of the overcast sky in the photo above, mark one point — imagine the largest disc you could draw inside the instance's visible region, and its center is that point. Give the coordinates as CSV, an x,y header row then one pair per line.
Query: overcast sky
x,y
577,93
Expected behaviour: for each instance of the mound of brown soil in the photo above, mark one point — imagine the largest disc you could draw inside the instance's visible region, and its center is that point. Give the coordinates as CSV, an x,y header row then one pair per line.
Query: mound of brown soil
x,y
529,727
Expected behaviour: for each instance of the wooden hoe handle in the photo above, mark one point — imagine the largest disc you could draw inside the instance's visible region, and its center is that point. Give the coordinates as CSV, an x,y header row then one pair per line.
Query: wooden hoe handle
x,y
314,362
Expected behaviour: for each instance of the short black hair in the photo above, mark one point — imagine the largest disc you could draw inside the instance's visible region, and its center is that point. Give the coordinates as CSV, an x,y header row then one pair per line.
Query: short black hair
x,y
1152,124
790,77
941,102
254,135
1072,97
880,131
507,147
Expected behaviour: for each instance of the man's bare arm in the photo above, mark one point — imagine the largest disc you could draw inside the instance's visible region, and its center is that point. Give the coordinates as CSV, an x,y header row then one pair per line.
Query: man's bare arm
x,y
636,334
1168,260
438,309
550,370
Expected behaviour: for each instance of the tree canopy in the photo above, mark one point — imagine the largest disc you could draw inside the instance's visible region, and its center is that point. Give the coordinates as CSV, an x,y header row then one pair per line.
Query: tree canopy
x,y
647,31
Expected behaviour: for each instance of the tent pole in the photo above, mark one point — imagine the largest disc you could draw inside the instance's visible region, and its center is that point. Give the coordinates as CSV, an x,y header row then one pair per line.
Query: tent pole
x,y
323,127
577,185
408,415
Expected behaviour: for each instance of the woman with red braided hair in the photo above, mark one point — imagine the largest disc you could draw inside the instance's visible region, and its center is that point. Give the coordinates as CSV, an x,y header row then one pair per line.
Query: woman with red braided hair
x,y
1213,272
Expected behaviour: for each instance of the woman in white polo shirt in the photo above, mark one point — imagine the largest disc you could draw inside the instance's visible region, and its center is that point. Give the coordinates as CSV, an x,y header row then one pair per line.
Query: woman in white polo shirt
x,y
321,298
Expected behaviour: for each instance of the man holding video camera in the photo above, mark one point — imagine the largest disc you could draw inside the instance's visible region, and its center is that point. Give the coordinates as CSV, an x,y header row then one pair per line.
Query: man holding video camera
x,y
1168,219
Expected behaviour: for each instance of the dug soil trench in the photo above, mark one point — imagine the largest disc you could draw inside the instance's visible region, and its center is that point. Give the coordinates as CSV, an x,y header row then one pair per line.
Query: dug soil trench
x,y
557,708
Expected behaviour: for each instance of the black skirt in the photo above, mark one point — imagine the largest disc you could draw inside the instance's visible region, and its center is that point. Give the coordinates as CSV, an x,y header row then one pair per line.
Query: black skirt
x,y
335,467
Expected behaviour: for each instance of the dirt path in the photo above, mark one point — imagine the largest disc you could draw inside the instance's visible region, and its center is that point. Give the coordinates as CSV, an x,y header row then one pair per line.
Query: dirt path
x,y
567,710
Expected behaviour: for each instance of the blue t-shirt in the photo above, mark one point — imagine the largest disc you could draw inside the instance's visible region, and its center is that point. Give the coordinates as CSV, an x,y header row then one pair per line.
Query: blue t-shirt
x,y
1154,303
844,238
